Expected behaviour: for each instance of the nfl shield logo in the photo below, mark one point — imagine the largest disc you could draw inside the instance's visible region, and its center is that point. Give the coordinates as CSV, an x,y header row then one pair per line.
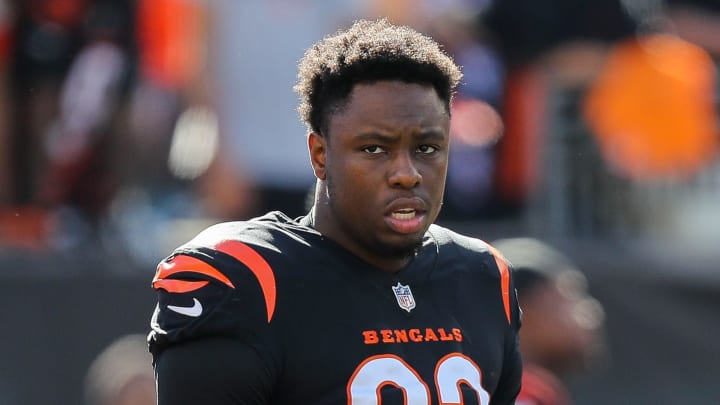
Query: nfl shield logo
x,y
404,297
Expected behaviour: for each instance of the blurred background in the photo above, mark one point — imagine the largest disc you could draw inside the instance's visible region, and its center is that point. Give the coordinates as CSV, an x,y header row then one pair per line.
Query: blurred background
x,y
126,126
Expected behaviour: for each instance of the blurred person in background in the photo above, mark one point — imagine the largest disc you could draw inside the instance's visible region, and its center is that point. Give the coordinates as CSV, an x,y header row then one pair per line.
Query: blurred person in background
x,y
561,331
80,143
40,39
121,374
544,46
68,63
46,36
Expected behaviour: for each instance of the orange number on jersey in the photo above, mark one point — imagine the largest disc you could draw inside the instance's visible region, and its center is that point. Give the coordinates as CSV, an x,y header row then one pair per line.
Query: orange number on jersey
x,y
379,371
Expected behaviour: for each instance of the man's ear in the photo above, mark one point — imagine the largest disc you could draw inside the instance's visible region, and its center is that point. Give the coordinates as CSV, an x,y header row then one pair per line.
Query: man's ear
x,y
317,146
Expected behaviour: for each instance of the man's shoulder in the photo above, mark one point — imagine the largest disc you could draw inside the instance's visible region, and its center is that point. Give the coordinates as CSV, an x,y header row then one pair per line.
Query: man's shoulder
x,y
267,231
470,248
230,251
224,281
447,238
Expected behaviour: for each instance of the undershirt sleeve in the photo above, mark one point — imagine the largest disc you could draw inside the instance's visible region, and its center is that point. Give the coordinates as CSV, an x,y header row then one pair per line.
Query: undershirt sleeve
x,y
212,371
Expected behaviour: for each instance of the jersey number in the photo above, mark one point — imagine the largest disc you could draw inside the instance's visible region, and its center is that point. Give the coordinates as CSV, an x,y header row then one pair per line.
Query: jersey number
x,y
389,370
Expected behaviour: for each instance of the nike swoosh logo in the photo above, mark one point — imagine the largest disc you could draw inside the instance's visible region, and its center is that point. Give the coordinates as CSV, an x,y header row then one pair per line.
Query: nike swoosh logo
x,y
193,311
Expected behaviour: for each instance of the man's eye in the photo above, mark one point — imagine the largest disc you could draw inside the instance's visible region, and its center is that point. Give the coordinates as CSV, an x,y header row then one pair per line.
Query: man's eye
x,y
374,149
427,149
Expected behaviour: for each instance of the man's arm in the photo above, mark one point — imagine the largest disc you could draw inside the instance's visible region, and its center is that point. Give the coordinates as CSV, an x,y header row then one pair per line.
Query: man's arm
x,y
510,379
212,371
210,311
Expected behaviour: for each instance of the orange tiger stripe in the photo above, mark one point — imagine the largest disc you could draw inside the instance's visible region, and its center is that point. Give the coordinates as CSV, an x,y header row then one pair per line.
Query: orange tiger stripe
x,y
188,264
179,286
504,279
260,268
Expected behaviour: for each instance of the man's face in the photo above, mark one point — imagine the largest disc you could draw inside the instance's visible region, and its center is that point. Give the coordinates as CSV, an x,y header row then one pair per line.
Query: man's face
x,y
382,166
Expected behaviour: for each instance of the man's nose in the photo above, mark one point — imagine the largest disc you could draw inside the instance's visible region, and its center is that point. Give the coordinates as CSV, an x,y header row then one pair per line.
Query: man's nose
x,y
403,172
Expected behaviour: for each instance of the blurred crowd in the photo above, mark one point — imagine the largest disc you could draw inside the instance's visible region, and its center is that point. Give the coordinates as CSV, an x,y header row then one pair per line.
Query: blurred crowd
x,y
127,125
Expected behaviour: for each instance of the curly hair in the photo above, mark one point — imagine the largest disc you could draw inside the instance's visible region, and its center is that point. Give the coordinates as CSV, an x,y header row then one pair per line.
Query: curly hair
x,y
369,51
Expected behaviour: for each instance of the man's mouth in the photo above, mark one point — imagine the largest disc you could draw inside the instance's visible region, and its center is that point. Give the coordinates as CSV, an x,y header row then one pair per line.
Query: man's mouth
x,y
404,214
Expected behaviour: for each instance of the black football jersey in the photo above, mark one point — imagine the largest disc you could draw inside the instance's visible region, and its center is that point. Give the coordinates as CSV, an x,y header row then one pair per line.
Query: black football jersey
x,y
268,311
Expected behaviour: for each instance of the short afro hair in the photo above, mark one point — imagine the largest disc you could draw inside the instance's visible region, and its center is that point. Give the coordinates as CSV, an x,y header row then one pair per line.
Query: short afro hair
x,y
367,52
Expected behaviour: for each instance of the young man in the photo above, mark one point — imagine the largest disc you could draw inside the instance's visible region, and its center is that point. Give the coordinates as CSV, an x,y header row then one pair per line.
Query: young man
x,y
363,300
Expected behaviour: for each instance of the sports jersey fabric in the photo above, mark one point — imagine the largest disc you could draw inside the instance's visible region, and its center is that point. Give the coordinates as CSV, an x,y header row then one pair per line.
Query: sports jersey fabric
x,y
268,311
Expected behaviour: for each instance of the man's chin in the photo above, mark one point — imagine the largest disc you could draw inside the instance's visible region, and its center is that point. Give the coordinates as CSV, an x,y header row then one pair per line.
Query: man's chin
x,y
399,249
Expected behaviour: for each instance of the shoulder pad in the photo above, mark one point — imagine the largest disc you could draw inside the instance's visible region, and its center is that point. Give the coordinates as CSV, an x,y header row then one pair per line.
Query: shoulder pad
x,y
212,290
475,246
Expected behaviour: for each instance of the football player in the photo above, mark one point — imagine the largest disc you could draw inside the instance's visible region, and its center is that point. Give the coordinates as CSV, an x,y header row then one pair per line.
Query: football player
x,y
363,300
